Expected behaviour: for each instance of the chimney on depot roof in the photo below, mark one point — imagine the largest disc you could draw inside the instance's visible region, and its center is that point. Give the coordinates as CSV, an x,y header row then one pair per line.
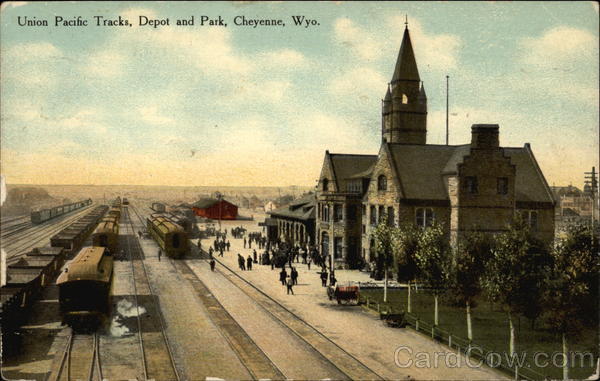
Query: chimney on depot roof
x,y
485,136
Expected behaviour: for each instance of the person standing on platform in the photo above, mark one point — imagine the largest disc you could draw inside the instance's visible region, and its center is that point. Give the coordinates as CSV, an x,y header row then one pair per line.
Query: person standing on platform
x,y
244,242
255,256
294,276
324,278
308,263
249,263
227,245
290,285
212,264
159,254
282,276
241,262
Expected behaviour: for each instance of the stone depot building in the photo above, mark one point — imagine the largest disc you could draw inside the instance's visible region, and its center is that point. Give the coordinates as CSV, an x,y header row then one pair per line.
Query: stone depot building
x,y
476,186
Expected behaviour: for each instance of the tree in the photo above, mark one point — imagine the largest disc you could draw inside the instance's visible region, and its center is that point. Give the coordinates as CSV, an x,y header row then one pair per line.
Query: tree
x,y
573,280
472,252
408,270
386,246
515,272
433,257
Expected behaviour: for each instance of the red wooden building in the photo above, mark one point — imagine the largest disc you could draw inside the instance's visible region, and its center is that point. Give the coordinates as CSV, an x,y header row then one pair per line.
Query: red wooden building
x,y
215,209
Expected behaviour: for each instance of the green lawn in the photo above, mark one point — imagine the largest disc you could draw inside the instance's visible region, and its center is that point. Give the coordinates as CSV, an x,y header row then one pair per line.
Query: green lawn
x,y
490,329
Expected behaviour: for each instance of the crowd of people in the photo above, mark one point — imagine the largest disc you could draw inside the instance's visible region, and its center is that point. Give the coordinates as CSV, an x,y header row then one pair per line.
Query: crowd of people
x,y
275,253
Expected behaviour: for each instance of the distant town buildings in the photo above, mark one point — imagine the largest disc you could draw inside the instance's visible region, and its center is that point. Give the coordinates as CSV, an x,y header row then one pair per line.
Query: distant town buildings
x,y
572,206
478,186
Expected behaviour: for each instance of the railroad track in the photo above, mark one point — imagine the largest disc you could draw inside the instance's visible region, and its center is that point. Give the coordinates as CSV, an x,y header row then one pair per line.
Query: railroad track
x,y
80,359
154,364
22,244
253,358
345,362
7,220
15,229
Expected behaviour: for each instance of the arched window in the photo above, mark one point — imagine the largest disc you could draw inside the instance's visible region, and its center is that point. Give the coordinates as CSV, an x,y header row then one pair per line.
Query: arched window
x,y
404,99
325,184
382,183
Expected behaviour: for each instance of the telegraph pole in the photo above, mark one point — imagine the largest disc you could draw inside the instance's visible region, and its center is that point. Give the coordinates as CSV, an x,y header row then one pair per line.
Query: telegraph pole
x,y
447,93
591,179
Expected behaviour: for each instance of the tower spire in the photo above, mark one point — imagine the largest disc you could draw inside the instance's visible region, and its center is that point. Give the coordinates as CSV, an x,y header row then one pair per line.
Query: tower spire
x,y
406,64
405,21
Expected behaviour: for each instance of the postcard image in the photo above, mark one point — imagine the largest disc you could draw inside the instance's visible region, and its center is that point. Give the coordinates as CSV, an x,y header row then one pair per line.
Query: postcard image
x,y
338,190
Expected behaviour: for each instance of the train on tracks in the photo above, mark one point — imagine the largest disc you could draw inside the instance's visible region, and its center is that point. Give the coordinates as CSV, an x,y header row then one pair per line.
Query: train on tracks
x,y
125,201
74,235
84,288
25,280
107,233
43,215
168,234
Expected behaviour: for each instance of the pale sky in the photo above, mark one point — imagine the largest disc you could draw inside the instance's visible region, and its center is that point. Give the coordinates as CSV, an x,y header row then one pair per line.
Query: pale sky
x,y
202,105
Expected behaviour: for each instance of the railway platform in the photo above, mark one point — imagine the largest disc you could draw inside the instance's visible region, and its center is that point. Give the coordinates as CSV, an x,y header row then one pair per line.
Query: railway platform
x,y
360,334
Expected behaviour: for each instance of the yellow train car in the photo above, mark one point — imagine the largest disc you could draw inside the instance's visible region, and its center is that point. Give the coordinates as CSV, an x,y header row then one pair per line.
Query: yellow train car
x,y
171,237
84,288
107,234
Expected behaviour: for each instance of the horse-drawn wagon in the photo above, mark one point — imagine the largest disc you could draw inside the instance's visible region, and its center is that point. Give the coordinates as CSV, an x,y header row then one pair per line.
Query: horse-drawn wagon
x,y
348,293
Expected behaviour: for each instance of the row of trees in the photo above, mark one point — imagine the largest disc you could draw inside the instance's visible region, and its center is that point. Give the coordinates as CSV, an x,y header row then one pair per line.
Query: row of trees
x,y
512,269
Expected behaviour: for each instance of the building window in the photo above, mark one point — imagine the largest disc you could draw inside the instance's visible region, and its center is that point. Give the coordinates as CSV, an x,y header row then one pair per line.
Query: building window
x,y
404,99
354,186
325,184
471,184
351,213
531,218
337,213
337,248
363,209
502,185
381,213
326,213
390,216
364,228
325,244
424,217
373,215
381,183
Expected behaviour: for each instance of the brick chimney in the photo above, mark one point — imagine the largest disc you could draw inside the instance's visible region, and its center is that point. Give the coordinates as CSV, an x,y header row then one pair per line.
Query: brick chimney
x,y
485,136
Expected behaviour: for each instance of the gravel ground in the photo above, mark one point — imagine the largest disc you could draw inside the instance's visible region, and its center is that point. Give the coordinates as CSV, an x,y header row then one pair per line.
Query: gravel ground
x,y
294,358
198,346
360,333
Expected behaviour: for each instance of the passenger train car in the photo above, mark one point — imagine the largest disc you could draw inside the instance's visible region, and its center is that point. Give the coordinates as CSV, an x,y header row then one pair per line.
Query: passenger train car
x,y
169,235
39,216
125,201
84,288
107,232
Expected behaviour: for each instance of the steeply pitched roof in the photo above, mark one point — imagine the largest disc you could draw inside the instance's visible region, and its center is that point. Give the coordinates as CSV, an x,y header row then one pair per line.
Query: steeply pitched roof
x,y
301,209
421,169
406,65
346,167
